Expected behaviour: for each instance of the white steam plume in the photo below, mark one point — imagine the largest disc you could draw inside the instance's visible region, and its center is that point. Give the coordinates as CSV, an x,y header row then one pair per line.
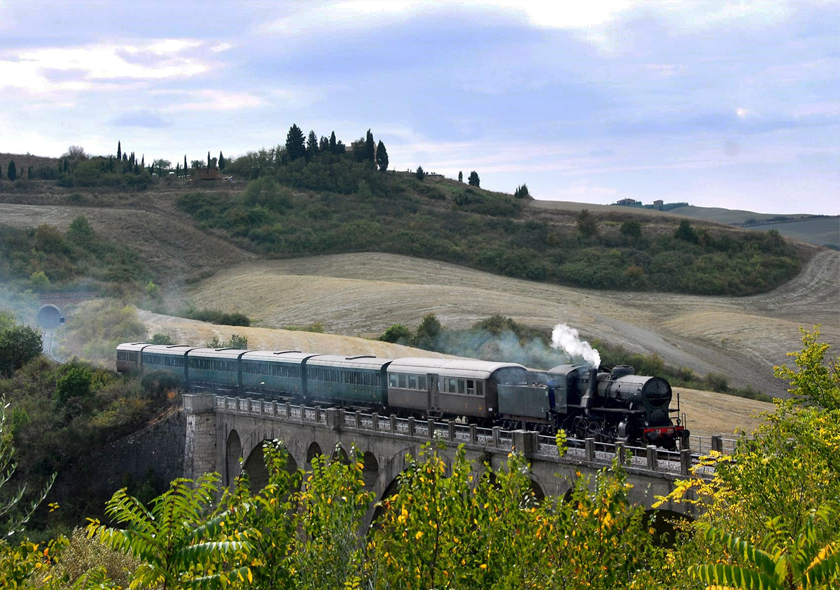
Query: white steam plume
x,y
568,339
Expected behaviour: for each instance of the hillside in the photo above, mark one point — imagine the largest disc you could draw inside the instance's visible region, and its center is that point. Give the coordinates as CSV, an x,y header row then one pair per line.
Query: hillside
x,y
199,247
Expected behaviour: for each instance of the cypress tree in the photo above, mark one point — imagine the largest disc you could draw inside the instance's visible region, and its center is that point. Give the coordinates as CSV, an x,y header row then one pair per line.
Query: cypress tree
x,y
12,174
208,159
29,173
1,172
324,145
311,145
119,151
221,161
381,156
333,147
370,148
185,165
66,165
420,173
460,176
295,147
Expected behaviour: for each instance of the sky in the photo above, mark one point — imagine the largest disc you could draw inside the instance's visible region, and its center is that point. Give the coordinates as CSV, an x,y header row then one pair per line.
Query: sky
x,y
718,103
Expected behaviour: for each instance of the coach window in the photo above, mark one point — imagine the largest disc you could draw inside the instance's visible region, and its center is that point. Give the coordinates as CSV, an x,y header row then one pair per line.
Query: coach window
x,y
402,382
392,380
470,387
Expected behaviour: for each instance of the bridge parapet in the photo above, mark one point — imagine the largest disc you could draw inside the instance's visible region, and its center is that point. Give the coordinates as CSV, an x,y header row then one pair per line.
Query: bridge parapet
x,y
650,461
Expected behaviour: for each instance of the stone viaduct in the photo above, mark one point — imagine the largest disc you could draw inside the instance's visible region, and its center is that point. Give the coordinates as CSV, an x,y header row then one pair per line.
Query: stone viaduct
x,y
221,431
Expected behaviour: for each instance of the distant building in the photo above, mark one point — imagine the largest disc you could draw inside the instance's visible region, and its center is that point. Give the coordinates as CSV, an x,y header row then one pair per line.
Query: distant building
x,y
211,173
658,205
628,203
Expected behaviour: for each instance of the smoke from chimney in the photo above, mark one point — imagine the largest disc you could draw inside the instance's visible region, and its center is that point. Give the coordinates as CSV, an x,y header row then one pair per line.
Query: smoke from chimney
x,y
568,339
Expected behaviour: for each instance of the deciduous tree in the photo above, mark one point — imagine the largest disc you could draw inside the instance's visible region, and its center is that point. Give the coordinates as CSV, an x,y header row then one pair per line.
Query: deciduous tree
x,y
473,179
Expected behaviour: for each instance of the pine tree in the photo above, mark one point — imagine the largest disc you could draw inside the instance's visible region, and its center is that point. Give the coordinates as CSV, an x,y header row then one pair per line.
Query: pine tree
x,y
340,148
420,174
324,145
66,164
119,151
295,147
333,147
12,174
460,176
221,161
311,145
143,161
381,156
370,147
473,180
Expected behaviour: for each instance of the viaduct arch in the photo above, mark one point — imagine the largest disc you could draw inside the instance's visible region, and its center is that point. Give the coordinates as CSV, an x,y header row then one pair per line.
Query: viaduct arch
x,y
225,434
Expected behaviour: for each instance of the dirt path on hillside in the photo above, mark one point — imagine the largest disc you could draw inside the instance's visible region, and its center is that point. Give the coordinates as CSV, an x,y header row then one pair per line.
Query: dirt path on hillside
x,y
365,293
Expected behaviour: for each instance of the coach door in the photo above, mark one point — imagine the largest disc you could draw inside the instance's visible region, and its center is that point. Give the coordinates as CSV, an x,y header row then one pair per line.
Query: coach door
x,y
434,390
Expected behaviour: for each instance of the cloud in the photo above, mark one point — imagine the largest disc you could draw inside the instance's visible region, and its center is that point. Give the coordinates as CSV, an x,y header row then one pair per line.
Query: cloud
x,y
48,70
141,118
209,100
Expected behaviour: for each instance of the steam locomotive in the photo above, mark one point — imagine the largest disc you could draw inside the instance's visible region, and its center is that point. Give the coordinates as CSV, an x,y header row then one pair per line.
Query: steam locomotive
x,y
610,406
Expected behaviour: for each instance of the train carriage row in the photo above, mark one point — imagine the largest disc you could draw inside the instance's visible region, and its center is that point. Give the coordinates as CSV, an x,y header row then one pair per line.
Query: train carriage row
x,y
617,405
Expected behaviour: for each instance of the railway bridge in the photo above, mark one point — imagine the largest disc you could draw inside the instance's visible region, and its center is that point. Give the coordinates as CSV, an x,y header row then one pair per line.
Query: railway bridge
x,y
225,434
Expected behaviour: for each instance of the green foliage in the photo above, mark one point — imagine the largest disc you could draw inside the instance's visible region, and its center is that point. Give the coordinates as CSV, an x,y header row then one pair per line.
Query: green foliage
x,y
420,174
43,258
685,232
214,316
235,341
164,339
18,346
397,334
317,327
473,179
14,513
632,230
327,552
427,332
454,526
587,224
180,539
817,382
11,173
381,157
353,208
264,192
788,563
21,564
295,146
521,192
75,383
85,560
